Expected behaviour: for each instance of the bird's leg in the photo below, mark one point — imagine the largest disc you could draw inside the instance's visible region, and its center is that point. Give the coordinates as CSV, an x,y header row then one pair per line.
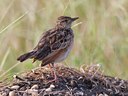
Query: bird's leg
x,y
51,69
53,72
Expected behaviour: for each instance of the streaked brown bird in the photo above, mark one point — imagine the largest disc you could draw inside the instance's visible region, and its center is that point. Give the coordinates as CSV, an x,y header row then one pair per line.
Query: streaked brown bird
x,y
54,45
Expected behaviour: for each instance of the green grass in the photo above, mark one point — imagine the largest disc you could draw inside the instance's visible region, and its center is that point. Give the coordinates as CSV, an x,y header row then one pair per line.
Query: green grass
x,y
101,37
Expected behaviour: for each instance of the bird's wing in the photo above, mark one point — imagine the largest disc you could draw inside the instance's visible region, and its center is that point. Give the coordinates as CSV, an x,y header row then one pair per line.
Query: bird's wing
x,y
61,39
52,41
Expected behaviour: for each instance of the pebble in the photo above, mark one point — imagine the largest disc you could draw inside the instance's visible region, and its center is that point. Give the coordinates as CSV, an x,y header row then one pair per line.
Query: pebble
x,y
15,87
35,93
50,88
12,93
102,95
34,87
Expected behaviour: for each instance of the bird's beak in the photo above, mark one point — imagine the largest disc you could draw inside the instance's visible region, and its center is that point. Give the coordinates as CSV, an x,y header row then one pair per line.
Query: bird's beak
x,y
73,19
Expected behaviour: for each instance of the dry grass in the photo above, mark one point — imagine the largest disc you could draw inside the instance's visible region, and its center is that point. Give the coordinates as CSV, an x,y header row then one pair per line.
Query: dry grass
x,y
102,36
70,82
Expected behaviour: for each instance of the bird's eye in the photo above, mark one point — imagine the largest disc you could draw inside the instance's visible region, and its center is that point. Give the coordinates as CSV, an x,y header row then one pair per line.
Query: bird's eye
x,y
66,20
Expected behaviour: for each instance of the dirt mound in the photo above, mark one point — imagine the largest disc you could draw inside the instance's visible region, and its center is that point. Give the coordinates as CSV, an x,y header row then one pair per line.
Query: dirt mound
x,y
71,82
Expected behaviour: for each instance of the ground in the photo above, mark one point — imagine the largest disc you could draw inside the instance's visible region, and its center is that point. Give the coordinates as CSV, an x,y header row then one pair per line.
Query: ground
x,y
88,81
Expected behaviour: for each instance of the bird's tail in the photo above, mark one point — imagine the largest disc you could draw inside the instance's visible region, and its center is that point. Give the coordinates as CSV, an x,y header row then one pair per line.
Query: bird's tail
x,y
25,56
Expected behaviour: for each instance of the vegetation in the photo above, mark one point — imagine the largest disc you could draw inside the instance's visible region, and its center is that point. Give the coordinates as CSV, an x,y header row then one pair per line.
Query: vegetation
x,y
100,35
70,82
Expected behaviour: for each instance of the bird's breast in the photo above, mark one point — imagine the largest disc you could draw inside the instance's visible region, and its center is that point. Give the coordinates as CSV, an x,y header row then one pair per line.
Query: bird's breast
x,y
65,53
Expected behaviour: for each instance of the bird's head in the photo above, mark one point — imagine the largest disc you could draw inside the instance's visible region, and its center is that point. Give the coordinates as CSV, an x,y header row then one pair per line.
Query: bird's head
x,y
65,21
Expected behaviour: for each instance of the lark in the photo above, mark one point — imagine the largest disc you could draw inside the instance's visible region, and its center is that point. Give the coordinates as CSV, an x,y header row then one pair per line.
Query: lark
x,y
54,45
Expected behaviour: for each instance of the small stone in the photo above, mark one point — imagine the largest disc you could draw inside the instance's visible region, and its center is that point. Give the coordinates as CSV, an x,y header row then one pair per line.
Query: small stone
x,y
35,93
34,87
12,93
105,95
73,83
50,88
3,94
25,94
15,87
80,93
102,95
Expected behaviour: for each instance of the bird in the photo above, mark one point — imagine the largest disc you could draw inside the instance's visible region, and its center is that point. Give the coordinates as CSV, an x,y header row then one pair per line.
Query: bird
x,y
54,45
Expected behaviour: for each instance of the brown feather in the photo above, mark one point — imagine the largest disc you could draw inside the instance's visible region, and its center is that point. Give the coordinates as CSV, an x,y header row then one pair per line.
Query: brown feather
x,y
54,44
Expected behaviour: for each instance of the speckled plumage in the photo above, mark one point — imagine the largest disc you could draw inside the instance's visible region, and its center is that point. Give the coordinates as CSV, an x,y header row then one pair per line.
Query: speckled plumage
x,y
55,44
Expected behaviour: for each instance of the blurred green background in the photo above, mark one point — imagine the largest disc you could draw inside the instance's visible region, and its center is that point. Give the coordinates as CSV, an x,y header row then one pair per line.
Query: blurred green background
x,y
101,38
